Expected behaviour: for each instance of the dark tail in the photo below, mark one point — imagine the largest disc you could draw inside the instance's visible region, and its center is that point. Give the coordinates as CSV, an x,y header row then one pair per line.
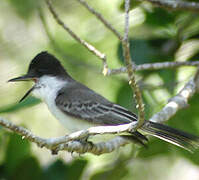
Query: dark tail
x,y
171,135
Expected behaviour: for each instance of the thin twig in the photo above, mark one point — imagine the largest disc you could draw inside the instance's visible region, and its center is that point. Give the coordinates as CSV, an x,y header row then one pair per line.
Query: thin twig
x,y
106,70
154,66
176,4
130,68
101,18
70,59
77,38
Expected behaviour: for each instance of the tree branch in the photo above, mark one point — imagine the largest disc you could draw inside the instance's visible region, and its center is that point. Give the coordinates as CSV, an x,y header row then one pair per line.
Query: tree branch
x,y
177,102
130,68
72,142
176,4
101,18
154,66
91,48
97,149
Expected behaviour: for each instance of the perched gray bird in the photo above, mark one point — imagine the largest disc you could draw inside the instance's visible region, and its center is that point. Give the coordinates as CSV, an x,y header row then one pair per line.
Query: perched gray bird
x,y
78,107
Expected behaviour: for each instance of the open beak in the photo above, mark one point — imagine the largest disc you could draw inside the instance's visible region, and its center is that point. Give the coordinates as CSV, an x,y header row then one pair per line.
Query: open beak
x,y
27,93
24,78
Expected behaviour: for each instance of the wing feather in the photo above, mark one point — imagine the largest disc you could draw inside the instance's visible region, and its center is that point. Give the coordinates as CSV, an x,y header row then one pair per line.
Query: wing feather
x,y
92,107
83,103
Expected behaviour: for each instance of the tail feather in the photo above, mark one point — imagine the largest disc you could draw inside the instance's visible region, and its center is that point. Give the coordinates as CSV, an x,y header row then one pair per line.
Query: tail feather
x,y
171,135
173,131
171,139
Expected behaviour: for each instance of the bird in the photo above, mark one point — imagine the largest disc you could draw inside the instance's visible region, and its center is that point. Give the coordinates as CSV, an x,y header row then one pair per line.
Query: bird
x,y
76,106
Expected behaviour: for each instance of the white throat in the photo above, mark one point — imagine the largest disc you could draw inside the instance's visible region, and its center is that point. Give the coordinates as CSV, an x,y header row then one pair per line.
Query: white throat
x,y
46,89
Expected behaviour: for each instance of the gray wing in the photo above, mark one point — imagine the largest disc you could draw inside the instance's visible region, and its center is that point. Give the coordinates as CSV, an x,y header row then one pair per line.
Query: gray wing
x,y
91,106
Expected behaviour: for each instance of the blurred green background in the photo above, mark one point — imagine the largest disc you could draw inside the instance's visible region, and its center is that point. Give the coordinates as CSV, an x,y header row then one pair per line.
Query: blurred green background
x,y
156,35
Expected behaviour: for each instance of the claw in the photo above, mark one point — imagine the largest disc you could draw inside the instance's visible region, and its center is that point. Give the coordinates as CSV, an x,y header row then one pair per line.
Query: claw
x,y
54,151
72,154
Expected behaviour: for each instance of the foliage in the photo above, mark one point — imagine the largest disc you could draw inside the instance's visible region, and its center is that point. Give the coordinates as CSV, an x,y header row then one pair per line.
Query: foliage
x,y
20,163
161,36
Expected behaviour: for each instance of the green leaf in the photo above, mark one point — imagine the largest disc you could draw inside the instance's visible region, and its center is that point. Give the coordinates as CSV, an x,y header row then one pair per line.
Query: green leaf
x,y
29,169
79,164
57,170
24,8
18,150
60,170
137,47
169,78
118,170
160,17
28,102
3,174
125,98
155,147
145,51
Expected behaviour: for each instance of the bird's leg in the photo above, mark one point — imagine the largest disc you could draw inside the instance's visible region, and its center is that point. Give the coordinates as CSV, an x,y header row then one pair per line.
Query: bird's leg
x,y
85,140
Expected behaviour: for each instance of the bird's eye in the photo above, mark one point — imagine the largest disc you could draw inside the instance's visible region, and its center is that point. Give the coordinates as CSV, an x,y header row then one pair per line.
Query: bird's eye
x,y
35,80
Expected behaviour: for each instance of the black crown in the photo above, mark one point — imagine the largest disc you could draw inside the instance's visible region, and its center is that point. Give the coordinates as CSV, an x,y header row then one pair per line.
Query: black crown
x,y
46,64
